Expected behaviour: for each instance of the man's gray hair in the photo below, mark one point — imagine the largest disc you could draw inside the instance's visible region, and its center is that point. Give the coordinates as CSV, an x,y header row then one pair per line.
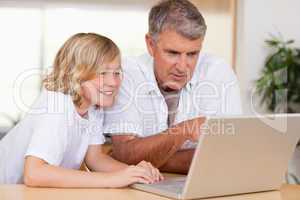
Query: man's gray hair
x,y
178,15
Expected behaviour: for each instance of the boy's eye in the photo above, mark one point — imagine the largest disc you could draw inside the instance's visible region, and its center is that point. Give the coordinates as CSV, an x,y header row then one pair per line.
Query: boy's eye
x,y
117,73
103,73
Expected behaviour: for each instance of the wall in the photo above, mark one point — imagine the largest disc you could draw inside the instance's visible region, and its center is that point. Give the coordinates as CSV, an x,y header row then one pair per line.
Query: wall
x,y
219,19
256,19
33,30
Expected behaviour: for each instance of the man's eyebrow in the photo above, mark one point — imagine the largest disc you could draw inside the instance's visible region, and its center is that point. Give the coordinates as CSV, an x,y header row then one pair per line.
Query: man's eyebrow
x,y
193,52
172,51
178,52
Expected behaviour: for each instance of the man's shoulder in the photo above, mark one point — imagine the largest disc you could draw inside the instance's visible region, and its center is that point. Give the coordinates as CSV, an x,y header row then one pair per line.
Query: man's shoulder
x,y
208,60
212,67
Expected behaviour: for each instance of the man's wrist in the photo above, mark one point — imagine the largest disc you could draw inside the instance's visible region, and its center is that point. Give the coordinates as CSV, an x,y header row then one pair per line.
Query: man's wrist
x,y
179,130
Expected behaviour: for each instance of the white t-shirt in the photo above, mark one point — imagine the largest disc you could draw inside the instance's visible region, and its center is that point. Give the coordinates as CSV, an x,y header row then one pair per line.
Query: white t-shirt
x,y
52,131
141,108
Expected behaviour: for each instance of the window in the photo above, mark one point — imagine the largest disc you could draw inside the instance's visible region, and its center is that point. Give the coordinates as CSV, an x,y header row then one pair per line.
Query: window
x,y
33,31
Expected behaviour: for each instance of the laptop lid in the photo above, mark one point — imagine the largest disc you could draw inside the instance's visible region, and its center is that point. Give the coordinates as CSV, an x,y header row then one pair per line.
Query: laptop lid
x,y
242,155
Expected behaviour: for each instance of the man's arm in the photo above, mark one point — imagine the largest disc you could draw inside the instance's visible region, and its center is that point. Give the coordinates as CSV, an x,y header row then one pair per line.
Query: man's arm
x,y
179,163
159,148
156,149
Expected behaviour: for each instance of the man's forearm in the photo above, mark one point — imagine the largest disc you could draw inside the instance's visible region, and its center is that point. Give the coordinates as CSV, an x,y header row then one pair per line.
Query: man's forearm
x,y
159,148
179,163
156,149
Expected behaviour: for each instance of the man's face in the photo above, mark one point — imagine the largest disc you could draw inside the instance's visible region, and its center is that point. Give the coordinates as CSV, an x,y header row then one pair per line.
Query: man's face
x,y
175,58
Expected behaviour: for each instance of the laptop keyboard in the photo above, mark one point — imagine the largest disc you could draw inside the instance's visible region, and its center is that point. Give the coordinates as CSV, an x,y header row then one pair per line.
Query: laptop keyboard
x,y
174,185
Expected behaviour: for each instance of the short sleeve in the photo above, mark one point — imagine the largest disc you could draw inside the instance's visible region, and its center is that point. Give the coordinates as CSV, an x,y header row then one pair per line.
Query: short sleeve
x,y
97,139
124,117
49,139
96,128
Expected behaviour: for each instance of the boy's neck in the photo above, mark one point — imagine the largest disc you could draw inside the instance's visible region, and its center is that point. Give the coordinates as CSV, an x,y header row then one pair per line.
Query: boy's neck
x,y
83,108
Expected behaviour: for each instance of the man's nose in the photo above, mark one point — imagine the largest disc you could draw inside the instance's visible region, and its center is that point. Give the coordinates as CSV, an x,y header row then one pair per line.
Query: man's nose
x,y
182,63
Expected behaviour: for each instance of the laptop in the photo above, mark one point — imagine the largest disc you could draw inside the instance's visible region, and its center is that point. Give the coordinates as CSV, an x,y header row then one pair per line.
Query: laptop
x,y
235,155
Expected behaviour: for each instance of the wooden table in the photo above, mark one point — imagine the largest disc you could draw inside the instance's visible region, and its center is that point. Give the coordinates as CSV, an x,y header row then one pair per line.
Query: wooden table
x,y
21,192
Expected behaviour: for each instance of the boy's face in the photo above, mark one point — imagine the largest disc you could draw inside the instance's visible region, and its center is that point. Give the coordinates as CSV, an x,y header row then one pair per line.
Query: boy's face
x,y
103,89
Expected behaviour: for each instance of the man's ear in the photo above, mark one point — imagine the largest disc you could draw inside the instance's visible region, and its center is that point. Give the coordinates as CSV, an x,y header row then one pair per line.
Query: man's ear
x,y
150,44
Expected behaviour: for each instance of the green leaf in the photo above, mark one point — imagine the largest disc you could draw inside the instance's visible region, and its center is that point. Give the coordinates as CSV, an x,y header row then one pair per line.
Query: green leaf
x,y
280,78
272,42
289,41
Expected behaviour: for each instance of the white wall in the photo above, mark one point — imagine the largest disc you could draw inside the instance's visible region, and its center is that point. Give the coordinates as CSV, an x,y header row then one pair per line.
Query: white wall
x,y
33,31
256,19
219,20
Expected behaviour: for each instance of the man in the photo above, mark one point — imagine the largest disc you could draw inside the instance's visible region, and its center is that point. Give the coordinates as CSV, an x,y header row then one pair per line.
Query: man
x,y
164,93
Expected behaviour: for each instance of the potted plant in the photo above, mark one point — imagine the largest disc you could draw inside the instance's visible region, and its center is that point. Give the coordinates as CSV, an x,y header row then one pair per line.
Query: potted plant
x,y
279,84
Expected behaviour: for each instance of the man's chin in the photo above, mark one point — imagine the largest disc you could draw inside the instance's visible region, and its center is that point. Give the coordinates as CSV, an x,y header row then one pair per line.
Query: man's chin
x,y
173,86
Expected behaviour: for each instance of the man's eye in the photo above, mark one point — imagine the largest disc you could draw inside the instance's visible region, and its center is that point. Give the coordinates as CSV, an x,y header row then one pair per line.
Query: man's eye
x,y
173,53
192,54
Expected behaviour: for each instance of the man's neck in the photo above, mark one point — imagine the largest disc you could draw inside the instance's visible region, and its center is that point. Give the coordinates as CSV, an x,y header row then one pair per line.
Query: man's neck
x,y
168,90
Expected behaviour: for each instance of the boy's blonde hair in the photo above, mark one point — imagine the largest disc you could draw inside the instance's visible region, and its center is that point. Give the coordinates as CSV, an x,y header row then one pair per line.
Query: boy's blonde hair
x,y
78,60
